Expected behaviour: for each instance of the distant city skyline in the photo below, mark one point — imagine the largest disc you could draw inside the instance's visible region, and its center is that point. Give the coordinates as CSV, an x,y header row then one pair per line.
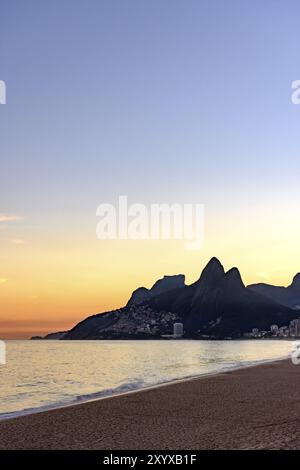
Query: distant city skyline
x,y
160,101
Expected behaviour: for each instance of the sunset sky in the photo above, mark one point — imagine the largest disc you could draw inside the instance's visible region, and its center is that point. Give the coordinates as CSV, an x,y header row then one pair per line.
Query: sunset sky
x,y
165,102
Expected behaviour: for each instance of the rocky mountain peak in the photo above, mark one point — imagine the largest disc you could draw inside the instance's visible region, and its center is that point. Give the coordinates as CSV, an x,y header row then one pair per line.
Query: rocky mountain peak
x,y
142,294
296,282
233,279
212,273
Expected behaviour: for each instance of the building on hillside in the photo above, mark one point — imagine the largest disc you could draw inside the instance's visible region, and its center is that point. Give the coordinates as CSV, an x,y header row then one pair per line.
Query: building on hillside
x,y
178,330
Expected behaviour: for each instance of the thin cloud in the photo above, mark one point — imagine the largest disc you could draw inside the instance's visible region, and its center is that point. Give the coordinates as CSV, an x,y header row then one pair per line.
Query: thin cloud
x,y
17,241
3,280
10,218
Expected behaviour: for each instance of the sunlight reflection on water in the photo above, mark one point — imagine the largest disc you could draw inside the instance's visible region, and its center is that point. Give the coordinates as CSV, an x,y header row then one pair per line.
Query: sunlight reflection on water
x,y
40,374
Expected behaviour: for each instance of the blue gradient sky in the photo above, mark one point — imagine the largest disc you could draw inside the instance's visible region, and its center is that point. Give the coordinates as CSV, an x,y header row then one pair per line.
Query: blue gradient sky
x,y
164,101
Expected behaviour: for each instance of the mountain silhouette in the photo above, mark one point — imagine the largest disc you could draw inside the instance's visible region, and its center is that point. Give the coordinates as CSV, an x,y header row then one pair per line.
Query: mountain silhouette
x,y
142,294
289,296
217,305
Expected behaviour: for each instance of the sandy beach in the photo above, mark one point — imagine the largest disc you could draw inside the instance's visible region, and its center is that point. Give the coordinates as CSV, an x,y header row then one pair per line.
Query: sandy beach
x,y
251,408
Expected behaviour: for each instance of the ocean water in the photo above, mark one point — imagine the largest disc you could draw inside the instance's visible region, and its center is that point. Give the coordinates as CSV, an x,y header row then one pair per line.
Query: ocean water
x,y
40,375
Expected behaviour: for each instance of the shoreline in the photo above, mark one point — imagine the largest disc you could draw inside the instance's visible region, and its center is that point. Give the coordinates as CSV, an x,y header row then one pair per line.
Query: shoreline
x,y
97,395
254,407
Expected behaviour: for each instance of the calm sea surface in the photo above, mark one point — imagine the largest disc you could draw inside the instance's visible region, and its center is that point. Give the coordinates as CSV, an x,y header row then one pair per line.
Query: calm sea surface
x,y
45,374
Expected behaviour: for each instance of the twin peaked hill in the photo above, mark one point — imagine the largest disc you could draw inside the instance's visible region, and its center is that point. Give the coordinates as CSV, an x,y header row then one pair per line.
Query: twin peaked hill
x,y
217,305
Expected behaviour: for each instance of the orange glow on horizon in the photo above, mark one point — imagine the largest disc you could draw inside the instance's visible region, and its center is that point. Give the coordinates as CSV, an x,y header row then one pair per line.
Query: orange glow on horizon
x,y
50,285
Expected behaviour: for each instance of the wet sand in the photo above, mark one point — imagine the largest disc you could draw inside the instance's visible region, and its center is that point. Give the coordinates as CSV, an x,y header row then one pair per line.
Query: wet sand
x,y
252,408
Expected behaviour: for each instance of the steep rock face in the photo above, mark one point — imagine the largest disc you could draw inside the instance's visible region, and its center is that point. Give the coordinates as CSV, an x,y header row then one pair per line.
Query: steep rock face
x,y
288,296
296,282
211,274
167,283
220,304
233,280
140,295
